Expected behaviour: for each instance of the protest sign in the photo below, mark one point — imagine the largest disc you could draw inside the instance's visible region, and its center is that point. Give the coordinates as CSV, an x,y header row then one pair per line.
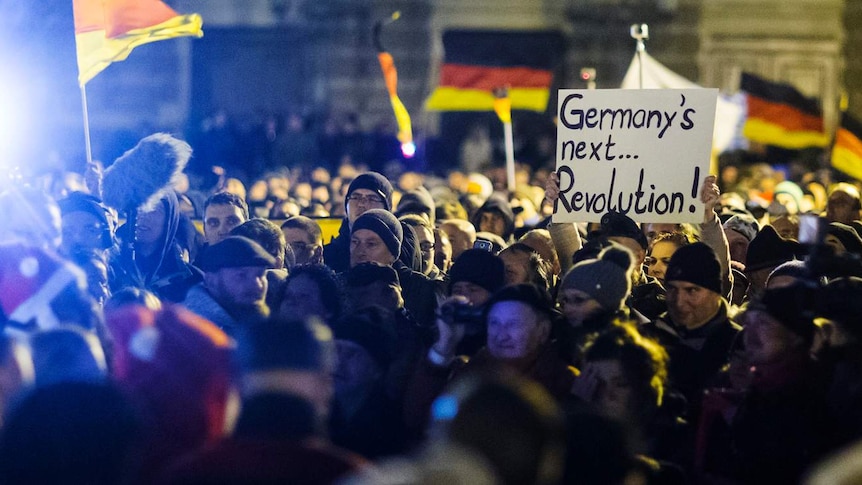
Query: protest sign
x,y
640,152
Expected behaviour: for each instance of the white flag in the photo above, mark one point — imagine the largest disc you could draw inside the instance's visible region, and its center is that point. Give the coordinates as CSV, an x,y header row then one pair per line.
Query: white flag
x,y
729,111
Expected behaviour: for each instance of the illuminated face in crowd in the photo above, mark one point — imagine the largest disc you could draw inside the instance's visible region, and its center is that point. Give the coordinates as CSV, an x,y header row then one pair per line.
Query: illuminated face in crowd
x,y
659,258
305,249
515,330
219,220
517,265
425,243
493,222
578,306
367,247
738,245
361,200
150,226
237,287
691,305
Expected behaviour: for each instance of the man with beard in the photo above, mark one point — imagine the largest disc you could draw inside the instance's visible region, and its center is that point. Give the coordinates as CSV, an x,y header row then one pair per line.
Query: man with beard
x,y
234,287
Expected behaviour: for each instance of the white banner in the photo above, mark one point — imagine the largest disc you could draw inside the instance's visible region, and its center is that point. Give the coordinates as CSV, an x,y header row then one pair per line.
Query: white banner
x,y
644,153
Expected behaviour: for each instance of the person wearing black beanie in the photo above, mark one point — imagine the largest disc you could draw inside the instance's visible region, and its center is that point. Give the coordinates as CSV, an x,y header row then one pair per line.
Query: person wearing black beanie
x,y
369,190
476,275
375,237
696,329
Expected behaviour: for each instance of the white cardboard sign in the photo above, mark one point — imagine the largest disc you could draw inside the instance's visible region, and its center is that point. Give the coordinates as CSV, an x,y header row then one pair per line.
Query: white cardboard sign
x,y
641,152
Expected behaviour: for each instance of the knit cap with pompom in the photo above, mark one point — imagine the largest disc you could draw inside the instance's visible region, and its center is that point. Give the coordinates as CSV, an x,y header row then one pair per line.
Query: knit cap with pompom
x,y
607,279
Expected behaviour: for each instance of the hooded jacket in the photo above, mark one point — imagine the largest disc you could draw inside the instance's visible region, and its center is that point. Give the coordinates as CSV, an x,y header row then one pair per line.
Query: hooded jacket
x,y
164,272
500,205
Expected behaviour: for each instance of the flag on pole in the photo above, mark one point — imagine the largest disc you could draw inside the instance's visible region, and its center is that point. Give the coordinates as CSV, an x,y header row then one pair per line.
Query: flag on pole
x,y
390,78
729,114
478,62
847,151
781,116
503,105
106,31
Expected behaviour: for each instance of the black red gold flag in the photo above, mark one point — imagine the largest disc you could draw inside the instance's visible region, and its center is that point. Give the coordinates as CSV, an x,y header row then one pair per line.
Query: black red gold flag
x,y
479,62
779,115
847,150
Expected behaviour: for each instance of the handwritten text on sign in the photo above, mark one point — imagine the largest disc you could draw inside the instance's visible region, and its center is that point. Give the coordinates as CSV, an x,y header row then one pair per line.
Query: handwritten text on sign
x,y
640,152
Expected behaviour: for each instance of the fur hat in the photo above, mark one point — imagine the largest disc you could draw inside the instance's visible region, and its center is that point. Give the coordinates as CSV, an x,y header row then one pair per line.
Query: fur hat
x,y
695,263
479,267
384,224
235,252
374,182
607,279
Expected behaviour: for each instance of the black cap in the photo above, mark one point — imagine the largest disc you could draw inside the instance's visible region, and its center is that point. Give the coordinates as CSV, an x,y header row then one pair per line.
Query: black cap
x,y
616,224
695,263
479,267
374,182
235,252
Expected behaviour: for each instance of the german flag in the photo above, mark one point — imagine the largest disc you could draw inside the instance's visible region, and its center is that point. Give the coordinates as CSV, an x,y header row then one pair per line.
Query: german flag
x,y
847,150
106,31
479,62
781,116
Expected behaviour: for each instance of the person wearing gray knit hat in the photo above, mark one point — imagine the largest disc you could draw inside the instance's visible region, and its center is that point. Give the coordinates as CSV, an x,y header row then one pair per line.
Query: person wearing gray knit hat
x,y
599,286
375,237
740,230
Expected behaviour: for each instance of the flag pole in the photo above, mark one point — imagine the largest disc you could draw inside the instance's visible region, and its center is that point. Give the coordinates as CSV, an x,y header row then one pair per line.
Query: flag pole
x,y
510,156
88,148
503,108
640,32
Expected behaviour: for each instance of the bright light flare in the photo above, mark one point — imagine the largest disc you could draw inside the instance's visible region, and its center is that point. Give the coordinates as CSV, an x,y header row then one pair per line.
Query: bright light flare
x,y
408,149
14,122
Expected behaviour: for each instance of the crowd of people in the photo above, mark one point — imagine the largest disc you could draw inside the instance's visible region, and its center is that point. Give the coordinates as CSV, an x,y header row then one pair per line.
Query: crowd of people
x,y
448,332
